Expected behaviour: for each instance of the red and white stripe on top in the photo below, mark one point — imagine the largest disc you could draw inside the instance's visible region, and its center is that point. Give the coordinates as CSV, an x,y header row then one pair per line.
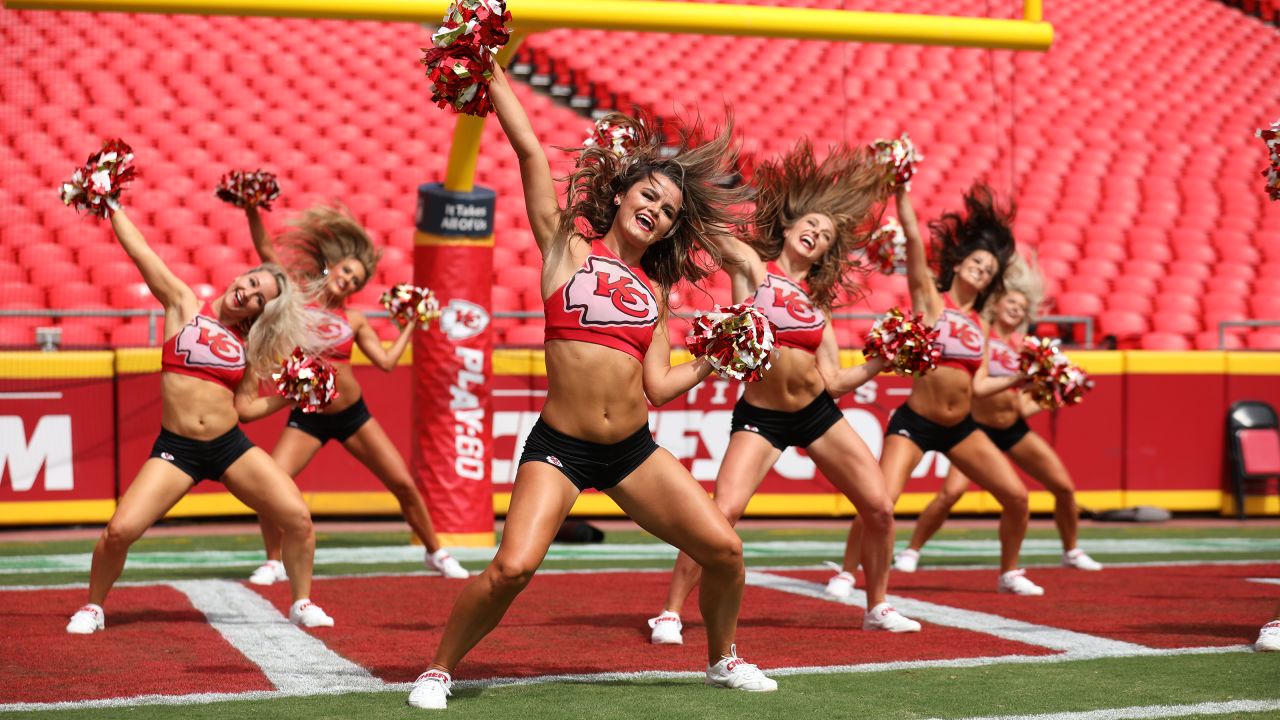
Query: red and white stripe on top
x,y
1002,359
960,337
606,302
206,349
786,303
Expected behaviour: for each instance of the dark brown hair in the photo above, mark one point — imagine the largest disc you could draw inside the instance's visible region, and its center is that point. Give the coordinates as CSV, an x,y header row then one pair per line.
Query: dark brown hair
x,y
983,226
695,166
846,187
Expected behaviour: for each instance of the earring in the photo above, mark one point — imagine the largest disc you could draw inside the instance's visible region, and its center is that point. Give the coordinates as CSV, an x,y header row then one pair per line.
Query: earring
x,y
617,200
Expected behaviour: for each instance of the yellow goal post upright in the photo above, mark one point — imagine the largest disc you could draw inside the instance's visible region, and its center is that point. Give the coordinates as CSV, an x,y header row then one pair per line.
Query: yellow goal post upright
x,y
452,456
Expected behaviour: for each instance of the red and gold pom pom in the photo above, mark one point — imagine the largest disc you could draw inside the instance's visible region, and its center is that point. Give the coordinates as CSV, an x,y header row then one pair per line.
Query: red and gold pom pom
x,y
1054,381
908,346
617,137
409,304
899,157
460,59
246,189
887,249
1072,384
737,340
1271,136
306,380
95,188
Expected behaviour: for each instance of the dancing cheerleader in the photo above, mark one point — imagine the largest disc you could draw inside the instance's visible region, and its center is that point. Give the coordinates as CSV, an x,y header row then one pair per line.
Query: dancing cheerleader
x,y
211,362
632,228
973,250
1003,418
330,253
809,218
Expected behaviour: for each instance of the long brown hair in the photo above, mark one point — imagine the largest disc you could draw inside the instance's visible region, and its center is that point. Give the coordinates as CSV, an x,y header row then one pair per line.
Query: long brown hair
x,y
847,187
707,208
322,237
983,226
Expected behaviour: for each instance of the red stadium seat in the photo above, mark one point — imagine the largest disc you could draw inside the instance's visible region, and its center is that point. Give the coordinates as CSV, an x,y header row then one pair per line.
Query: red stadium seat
x,y
1070,303
1155,253
1208,340
91,255
1172,321
1183,285
1097,267
1136,284
53,273
75,295
528,335
1189,268
80,334
110,274
1122,323
32,254
1129,301
1229,301
1267,338
11,273
135,334
135,295
1165,341
1089,284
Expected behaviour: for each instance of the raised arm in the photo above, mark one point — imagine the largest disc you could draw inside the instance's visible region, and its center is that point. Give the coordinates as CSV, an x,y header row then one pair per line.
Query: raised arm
x,y
177,298
385,359
741,262
535,172
842,380
261,240
924,295
663,382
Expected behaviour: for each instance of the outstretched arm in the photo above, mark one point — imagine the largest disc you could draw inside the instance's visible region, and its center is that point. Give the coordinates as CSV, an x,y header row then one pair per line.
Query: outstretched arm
x,y
662,382
383,359
177,298
924,296
740,261
261,240
842,380
535,172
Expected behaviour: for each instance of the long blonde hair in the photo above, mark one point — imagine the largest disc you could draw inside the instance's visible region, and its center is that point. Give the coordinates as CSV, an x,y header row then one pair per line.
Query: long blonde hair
x,y
1021,276
282,326
847,187
322,237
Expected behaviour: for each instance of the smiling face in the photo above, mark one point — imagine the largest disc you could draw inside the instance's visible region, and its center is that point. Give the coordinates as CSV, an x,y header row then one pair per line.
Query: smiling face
x,y
1011,311
248,294
809,237
977,270
648,211
345,278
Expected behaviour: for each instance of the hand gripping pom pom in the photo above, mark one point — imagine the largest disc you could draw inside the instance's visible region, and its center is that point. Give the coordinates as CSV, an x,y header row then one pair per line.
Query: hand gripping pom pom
x,y
899,158
246,189
95,188
736,340
618,137
1054,380
887,249
307,381
460,59
409,304
1271,136
907,345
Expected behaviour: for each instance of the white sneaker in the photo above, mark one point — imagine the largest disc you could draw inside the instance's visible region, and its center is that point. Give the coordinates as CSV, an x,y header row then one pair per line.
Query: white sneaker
x,y
1016,582
840,586
442,562
666,629
737,674
1268,639
308,614
431,690
1079,560
87,620
907,561
884,617
269,573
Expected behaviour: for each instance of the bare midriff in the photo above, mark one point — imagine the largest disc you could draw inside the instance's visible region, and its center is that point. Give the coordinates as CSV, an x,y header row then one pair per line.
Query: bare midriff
x,y
594,393
944,396
790,384
195,408
1000,411
348,389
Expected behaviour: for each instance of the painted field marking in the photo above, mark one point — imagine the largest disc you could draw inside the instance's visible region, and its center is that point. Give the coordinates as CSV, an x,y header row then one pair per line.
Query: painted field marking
x,y
294,661
30,396
1067,641
1047,547
1232,707
1265,581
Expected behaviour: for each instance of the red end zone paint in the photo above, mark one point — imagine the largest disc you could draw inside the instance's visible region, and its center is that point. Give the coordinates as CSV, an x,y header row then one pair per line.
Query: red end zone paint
x,y
1159,607
597,624
155,643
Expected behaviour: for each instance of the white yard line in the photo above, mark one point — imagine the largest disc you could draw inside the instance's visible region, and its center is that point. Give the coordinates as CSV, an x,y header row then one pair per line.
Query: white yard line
x,y
294,661
1078,644
1232,707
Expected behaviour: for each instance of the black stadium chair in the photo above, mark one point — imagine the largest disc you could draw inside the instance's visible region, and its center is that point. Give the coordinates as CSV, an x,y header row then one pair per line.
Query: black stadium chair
x,y
1253,439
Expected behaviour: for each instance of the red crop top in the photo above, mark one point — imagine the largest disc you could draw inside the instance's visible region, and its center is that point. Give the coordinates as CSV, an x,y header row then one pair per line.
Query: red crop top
x,y
787,304
1003,360
606,302
334,333
959,337
206,349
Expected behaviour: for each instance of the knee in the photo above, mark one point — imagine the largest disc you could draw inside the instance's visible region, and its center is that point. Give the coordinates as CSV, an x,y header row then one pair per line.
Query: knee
x,y
725,556
294,522
732,512
1015,501
402,487
119,536
510,576
878,517
1062,490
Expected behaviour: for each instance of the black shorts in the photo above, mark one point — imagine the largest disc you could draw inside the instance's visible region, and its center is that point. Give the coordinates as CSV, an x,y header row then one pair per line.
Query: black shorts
x,y
588,464
1007,437
338,426
927,434
202,459
784,429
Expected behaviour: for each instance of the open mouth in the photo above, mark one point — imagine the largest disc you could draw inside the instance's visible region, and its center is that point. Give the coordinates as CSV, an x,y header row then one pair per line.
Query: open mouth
x,y
645,221
237,298
806,241
342,285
